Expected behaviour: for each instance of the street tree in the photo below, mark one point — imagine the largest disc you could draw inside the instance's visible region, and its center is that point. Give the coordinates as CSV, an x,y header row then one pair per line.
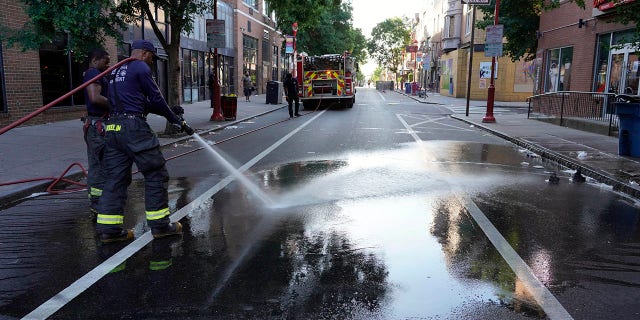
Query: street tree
x,y
324,26
85,23
521,19
388,40
88,23
180,14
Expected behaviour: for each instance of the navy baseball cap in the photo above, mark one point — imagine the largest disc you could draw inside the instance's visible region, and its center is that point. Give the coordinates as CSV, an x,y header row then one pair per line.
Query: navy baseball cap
x,y
144,45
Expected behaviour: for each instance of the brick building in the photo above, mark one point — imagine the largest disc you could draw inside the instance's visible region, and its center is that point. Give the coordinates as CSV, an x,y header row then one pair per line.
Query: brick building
x,y
579,51
30,79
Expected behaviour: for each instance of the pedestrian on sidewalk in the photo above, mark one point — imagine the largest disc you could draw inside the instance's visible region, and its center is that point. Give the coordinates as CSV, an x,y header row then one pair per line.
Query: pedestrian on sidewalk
x,y
247,85
291,91
129,138
98,108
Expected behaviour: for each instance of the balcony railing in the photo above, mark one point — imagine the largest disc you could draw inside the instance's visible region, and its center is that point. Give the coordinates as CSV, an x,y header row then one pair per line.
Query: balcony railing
x,y
580,110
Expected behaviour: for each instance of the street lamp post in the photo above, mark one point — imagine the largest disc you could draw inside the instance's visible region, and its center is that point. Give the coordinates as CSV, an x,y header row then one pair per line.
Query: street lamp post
x,y
489,118
294,27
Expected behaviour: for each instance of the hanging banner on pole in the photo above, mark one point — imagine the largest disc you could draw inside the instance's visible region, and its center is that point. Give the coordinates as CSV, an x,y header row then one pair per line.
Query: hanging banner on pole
x,y
215,33
289,44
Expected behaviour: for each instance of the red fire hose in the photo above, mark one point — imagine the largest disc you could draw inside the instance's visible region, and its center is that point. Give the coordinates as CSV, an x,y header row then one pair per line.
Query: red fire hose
x,y
44,108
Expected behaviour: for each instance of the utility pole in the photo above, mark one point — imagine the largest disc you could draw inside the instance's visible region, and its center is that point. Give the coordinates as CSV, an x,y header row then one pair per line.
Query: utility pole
x,y
488,118
471,47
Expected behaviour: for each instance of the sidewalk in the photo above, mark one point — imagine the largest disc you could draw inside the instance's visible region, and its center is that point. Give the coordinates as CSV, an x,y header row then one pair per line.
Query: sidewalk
x,y
47,150
596,154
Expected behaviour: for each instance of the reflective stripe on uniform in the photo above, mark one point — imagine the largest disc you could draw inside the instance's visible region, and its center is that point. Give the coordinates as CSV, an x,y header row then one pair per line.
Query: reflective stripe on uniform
x,y
119,268
159,265
113,127
95,192
155,215
110,219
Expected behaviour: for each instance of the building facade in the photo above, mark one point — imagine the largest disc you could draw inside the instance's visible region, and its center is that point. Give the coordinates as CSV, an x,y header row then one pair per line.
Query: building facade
x,y
578,50
31,79
443,29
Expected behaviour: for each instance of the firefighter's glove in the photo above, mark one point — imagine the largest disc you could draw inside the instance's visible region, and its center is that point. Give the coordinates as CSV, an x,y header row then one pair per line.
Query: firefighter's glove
x,y
184,127
177,110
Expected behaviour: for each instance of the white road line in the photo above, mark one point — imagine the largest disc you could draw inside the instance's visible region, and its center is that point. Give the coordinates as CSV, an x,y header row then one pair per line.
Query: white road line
x,y
540,293
381,96
49,307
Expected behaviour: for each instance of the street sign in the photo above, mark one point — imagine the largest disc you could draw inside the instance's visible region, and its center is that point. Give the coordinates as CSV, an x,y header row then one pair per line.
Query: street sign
x,y
477,2
215,33
493,41
493,49
494,33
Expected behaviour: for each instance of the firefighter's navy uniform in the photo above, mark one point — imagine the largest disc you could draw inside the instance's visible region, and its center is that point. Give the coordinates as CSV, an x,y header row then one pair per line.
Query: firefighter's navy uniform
x,y
94,138
129,138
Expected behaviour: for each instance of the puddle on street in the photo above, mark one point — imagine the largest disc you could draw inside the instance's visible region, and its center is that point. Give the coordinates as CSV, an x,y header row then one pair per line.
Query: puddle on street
x,y
367,235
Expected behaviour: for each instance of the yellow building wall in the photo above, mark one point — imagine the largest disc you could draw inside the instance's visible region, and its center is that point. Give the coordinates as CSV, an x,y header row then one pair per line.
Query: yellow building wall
x,y
513,82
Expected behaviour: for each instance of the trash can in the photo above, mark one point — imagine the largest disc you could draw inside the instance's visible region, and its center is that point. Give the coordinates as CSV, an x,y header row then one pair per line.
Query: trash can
x,y
414,88
229,106
407,87
274,92
629,128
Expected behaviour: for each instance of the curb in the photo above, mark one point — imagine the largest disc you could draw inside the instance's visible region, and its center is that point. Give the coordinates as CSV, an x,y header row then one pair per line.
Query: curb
x,y
545,153
11,198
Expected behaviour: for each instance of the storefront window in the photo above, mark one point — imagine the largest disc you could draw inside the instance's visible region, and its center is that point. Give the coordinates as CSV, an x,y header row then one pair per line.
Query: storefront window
x,y
250,58
193,75
617,67
602,62
186,75
558,70
60,73
274,67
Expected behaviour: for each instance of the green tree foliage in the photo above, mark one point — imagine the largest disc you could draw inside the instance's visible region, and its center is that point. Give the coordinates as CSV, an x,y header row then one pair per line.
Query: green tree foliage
x,y
324,26
180,14
388,39
521,19
626,13
87,23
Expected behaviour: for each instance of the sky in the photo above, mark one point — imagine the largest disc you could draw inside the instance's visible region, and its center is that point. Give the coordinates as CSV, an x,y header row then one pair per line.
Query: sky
x,y
368,13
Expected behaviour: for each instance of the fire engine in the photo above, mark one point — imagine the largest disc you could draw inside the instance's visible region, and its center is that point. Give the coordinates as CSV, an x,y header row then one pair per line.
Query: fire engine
x,y
327,80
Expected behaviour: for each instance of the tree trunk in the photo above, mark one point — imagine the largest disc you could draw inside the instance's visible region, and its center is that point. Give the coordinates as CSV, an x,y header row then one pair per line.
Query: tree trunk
x,y
174,79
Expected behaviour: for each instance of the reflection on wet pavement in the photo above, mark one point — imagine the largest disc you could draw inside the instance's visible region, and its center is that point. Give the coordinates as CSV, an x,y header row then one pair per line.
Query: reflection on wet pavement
x,y
370,236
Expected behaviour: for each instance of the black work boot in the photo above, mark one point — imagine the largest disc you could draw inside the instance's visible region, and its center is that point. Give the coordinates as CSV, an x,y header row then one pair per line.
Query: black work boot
x,y
124,235
173,228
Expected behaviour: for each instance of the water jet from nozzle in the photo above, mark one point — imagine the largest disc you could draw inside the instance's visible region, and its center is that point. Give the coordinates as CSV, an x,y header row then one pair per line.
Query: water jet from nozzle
x,y
246,182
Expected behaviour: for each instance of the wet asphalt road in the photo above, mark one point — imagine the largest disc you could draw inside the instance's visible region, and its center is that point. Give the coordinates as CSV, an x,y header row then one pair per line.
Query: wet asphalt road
x,y
389,210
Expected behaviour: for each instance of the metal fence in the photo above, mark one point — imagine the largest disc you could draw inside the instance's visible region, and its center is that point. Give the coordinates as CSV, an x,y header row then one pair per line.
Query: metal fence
x,y
595,108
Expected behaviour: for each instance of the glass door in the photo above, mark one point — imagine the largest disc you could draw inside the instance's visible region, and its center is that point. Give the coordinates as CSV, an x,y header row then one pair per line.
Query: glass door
x,y
624,77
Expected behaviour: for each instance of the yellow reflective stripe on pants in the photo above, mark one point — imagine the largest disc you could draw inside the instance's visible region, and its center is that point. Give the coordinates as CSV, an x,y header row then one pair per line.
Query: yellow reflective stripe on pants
x,y
110,219
119,268
155,215
95,192
159,265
